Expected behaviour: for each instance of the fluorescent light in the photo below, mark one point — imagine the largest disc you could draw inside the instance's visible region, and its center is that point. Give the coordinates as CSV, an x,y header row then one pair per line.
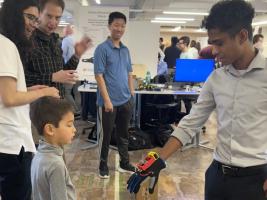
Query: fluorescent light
x,y
175,19
98,1
184,13
259,23
168,22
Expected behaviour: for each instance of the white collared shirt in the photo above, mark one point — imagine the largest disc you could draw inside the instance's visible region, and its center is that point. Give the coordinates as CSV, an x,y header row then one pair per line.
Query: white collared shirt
x,y
15,124
240,101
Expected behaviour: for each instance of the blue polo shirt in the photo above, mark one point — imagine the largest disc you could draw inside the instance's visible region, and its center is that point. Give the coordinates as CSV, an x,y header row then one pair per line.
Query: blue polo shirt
x,y
115,64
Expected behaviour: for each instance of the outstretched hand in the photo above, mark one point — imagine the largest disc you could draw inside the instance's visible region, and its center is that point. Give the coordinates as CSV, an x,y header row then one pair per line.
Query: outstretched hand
x,y
152,166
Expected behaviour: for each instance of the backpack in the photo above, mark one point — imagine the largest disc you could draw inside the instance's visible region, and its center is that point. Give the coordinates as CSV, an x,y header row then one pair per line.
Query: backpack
x,y
139,139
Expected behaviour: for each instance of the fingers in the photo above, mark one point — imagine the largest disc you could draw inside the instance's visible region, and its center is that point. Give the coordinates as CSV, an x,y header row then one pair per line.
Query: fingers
x,y
134,183
153,183
108,109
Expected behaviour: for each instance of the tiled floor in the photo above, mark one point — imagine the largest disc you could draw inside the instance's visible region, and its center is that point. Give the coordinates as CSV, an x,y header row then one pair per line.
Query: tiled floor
x,y
183,178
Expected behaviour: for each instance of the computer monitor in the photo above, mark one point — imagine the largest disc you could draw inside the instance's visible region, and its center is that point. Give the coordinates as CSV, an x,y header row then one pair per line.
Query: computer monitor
x,y
193,70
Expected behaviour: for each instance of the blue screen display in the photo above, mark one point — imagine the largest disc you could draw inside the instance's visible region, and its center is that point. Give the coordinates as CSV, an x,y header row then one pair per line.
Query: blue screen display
x,y
193,70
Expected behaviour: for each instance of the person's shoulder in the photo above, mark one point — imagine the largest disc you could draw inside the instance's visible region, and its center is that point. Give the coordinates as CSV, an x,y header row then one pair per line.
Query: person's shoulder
x,y
102,46
6,43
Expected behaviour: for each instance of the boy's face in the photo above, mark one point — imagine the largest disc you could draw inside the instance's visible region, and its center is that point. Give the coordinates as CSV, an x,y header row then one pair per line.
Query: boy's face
x,y
117,28
225,48
65,131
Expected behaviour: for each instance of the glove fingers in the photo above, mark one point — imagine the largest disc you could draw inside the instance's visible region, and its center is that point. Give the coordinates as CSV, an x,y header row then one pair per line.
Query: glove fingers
x,y
153,182
131,182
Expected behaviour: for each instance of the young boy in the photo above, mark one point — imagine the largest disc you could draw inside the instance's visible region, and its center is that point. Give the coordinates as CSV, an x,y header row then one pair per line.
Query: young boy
x,y
53,119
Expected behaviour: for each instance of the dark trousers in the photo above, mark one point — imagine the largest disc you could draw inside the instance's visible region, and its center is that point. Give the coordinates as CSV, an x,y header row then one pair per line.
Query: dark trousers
x,y
15,176
119,118
244,184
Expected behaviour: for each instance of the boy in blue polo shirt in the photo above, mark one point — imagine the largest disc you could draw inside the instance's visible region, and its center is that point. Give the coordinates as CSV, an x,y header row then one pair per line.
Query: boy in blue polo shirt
x,y
113,73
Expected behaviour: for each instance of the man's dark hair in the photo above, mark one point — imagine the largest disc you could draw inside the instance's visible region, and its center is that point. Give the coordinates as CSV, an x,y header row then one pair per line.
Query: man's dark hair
x,y
12,23
256,38
231,16
174,40
59,3
116,15
48,110
161,39
186,40
193,43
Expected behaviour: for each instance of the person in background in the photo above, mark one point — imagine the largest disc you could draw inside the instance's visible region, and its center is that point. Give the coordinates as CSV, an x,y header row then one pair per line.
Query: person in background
x,y
113,73
258,42
171,54
193,50
161,44
206,53
162,68
54,120
237,92
68,51
45,64
198,47
184,47
18,19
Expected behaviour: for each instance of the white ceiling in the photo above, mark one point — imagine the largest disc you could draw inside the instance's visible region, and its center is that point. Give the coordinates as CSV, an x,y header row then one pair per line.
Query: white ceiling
x,y
154,8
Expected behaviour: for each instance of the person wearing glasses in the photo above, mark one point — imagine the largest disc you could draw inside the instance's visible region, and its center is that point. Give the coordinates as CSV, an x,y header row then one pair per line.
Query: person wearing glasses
x,y
45,64
18,20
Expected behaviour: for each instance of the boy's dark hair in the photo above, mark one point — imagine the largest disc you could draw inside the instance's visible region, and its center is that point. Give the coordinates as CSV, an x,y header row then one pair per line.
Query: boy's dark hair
x,y
59,3
256,38
231,16
48,110
186,40
116,15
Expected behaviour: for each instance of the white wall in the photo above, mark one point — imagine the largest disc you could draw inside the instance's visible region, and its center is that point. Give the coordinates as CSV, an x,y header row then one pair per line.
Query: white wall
x,y
143,42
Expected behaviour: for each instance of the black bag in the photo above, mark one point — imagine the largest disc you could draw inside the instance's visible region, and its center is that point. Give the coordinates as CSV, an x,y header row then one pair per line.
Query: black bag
x,y
163,134
139,139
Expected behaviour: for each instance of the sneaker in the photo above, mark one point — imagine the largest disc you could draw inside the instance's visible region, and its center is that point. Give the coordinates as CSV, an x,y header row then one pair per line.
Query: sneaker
x,y
103,170
126,168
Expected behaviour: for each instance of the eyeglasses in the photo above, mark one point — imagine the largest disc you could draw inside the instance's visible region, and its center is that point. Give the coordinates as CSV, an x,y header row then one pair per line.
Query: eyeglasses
x,y
32,18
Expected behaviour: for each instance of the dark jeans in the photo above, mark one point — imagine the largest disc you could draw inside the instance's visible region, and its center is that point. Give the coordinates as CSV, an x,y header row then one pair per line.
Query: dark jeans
x,y
15,176
119,118
242,185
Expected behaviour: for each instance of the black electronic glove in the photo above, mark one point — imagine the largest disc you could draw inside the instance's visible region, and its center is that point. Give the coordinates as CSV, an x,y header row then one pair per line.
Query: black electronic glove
x,y
151,167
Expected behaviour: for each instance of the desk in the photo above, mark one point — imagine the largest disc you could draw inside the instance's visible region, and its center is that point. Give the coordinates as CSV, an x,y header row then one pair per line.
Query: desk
x,y
137,110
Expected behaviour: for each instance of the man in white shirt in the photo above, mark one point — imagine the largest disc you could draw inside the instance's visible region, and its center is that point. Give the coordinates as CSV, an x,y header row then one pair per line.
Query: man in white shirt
x,y
183,46
238,93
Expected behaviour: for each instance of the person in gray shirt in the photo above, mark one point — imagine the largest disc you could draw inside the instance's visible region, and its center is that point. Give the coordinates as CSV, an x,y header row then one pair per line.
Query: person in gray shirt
x,y
237,91
54,120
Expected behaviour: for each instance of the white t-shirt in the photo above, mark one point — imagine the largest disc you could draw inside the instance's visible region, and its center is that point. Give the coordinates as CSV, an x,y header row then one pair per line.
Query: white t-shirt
x,y
15,124
194,52
186,55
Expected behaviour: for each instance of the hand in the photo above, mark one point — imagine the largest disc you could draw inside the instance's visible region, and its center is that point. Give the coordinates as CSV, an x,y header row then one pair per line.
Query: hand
x,y
265,187
82,46
108,106
50,91
36,87
132,93
65,76
151,167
